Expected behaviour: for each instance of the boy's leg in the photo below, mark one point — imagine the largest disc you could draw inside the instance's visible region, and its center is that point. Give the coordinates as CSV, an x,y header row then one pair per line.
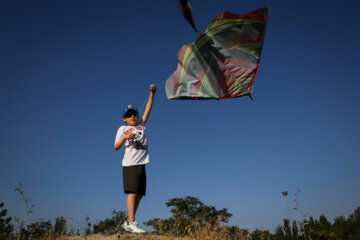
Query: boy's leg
x,y
132,203
138,199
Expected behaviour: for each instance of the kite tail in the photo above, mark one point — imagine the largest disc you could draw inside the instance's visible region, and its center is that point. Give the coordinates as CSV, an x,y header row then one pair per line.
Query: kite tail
x,y
186,11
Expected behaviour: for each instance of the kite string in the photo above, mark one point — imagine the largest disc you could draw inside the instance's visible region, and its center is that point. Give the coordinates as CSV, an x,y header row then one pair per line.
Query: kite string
x,y
146,100
140,110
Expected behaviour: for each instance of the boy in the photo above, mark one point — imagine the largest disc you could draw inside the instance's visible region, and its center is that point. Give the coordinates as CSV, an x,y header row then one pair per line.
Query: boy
x,y
135,158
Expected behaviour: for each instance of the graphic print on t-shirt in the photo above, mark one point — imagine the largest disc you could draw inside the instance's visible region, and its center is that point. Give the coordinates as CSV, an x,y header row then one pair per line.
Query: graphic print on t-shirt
x,y
136,151
138,140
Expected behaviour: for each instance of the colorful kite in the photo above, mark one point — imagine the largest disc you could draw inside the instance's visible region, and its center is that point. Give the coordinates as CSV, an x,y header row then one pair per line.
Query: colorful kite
x,y
223,62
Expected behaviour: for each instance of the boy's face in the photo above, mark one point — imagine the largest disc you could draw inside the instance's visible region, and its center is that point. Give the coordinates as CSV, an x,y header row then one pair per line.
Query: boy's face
x,y
131,118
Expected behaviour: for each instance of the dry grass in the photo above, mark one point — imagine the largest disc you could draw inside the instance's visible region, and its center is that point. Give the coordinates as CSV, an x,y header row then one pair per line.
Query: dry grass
x,y
123,237
205,232
218,232
194,231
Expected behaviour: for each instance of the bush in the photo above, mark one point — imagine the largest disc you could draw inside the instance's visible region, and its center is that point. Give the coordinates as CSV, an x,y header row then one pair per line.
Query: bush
x,y
322,229
38,230
111,226
188,214
6,228
60,226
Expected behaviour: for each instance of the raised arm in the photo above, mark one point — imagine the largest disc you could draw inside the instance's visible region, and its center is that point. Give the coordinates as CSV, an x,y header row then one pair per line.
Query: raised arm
x,y
149,103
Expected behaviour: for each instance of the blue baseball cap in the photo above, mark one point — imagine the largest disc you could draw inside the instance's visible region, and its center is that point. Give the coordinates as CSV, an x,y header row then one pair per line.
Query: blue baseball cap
x,y
129,107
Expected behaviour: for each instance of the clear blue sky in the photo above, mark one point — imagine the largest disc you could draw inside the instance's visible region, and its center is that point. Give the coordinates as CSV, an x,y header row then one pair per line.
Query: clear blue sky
x,y
67,69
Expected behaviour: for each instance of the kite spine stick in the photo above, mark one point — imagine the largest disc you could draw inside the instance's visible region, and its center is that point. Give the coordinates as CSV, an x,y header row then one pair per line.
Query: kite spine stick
x,y
198,33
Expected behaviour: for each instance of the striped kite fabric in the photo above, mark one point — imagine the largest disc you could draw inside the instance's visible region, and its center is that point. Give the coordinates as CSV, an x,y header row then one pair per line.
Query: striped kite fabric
x,y
223,62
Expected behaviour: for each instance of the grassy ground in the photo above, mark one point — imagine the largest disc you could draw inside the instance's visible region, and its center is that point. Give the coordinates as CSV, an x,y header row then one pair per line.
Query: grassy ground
x,y
198,232
123,237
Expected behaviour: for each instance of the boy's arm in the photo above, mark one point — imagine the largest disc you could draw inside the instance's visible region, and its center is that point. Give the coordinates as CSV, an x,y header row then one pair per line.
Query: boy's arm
x,y
122,140
149,103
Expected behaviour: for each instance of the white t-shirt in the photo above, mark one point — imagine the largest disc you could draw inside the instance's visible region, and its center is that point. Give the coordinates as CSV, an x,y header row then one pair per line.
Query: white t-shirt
x,y
136,152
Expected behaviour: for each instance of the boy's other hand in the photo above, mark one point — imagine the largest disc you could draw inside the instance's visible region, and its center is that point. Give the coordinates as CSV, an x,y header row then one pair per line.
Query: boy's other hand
x,y
153,88
129,135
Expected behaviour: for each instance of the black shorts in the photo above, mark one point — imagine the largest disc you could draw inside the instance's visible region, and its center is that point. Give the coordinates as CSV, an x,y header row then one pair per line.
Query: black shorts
x,y
134,179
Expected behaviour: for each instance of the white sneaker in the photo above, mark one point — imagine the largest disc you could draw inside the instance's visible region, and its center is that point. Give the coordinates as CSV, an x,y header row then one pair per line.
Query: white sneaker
x,y
125,226
132,227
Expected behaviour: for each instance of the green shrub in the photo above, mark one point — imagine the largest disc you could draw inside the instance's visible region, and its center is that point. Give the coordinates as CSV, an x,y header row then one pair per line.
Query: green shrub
x,y
111,226
6,228
188,214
